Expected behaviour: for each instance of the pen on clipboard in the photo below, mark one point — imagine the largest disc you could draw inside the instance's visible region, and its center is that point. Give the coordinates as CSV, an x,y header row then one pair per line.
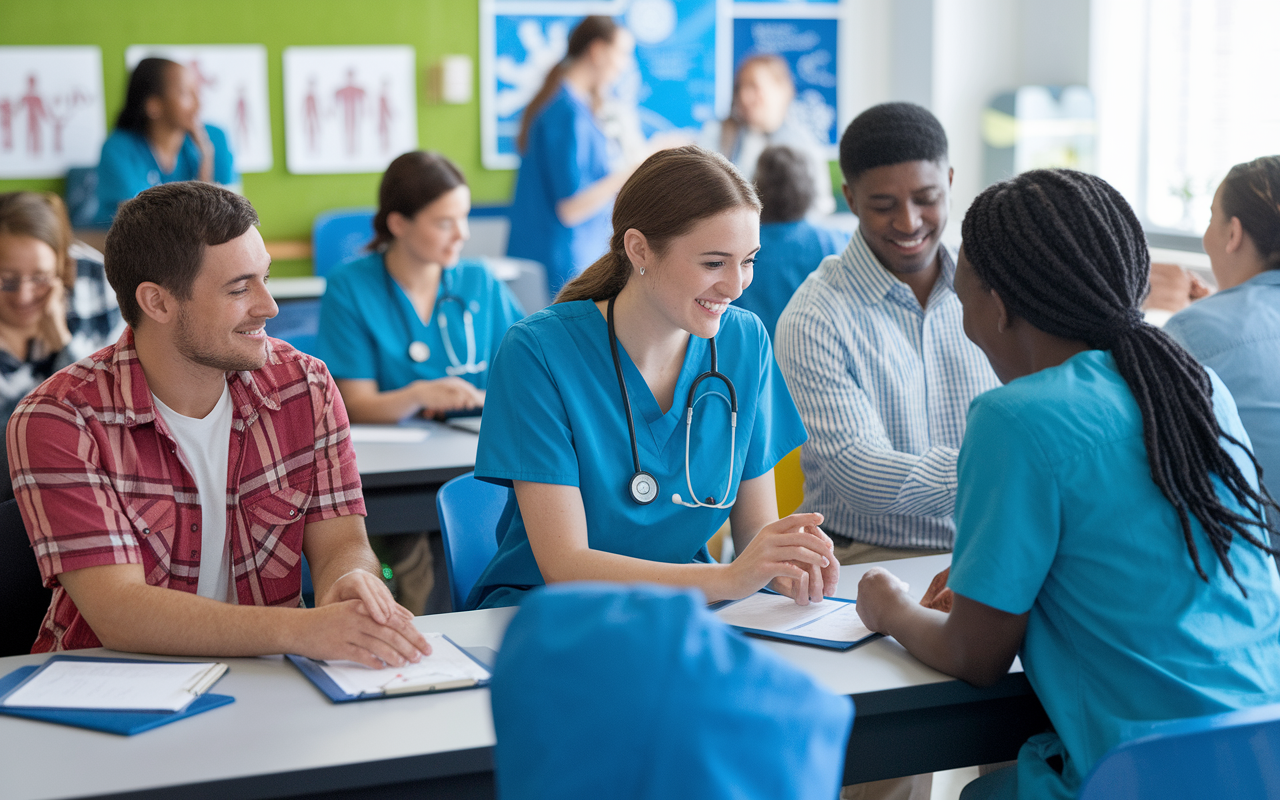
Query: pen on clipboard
x,y
402,685
202,682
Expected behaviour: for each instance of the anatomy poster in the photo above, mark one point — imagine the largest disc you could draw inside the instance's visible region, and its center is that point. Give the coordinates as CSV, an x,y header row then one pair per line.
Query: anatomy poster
x,y
233,93
809,46
348,109
51,112
673,85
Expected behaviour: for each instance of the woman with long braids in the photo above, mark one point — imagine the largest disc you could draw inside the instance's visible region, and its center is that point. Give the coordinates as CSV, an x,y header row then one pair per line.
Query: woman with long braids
x,y
1108,518
1236,332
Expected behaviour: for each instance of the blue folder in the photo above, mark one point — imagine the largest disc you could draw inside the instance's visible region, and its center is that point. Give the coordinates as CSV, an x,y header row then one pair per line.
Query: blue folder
x,y
125,723
829,644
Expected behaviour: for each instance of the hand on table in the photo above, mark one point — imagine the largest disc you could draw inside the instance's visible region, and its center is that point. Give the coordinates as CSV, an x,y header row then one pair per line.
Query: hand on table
x,y
938,596
347,630
793,556
878,592
393,622
448,394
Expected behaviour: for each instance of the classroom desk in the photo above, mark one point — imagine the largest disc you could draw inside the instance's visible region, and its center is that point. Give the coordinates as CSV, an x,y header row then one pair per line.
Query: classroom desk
x,y
400,479
283,738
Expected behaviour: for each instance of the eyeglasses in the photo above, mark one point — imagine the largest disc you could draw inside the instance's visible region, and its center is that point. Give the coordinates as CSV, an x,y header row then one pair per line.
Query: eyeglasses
x,y
13,283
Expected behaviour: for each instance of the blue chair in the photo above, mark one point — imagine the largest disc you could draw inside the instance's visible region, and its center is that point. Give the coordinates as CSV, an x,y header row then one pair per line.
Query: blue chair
x,y
1235,754
81,195
22,593
469,511
339,236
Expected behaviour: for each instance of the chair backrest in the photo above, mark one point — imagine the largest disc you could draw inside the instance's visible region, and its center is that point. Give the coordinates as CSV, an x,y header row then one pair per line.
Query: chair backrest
x,y
23,598
469,511
788,483
1235,754
81,195
338,236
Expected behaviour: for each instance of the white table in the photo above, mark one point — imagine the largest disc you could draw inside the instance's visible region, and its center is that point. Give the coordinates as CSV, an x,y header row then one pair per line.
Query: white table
x,y
400,478
282,737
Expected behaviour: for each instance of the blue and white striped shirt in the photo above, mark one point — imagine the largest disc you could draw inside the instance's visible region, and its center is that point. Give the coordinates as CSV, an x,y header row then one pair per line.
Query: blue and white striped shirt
x,y
883,387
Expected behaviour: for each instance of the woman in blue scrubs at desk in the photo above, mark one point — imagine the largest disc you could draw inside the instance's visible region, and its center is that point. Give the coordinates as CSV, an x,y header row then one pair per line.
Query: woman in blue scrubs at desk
x,y
569,169
409,329
615,476
1108,515
159,138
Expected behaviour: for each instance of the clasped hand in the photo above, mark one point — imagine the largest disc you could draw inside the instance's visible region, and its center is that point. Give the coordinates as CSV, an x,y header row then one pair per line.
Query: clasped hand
x,y
364,623
792,556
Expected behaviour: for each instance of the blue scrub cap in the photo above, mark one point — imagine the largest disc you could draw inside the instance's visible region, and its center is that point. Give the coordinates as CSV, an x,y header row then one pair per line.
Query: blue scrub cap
x,y
602,690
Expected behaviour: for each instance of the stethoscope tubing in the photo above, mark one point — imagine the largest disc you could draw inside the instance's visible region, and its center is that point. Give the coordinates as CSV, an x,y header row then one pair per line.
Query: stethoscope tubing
x,y
456,365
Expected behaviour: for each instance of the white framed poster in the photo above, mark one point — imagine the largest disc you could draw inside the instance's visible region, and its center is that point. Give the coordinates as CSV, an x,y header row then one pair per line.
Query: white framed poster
x,y
233,93
52,116
348,109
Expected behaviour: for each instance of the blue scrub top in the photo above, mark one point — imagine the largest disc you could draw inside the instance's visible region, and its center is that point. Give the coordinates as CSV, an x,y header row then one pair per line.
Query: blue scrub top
x,y
702,712
128,166
566,152
554,414
367,323
1057,514
1236,333
789,251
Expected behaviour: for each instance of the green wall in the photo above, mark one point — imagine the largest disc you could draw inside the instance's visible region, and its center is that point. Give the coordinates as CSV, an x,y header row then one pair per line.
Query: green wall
x,y
286,203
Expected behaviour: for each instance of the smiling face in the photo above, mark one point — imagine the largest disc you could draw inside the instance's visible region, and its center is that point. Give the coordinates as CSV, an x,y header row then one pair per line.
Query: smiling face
x,y
691,283
29,267
902,212
221,325
436,234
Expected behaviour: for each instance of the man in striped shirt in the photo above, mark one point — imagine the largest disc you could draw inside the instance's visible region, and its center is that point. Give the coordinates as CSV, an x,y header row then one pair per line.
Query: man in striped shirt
x,y
171,482
874,351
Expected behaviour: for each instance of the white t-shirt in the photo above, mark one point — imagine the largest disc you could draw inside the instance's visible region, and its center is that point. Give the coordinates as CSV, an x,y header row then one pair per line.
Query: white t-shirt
x,y
204,445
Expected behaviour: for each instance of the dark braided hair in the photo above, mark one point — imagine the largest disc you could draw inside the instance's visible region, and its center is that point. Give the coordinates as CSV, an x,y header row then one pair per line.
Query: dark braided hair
x,y
1066,253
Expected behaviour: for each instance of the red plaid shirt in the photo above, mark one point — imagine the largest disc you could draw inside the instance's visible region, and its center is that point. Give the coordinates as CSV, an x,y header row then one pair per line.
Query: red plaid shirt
x,y
99,480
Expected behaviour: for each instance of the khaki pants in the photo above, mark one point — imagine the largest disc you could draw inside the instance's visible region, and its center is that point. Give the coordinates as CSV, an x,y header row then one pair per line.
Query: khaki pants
x,y
912,787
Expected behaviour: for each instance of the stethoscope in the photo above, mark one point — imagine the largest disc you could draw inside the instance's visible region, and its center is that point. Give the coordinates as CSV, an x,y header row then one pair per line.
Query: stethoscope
x,y
420,352
643,487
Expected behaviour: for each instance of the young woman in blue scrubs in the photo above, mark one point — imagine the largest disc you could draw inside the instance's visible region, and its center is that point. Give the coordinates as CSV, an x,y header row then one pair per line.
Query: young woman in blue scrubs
x,y
1236,332
159,138
569,169
612,478
408,329
1108,515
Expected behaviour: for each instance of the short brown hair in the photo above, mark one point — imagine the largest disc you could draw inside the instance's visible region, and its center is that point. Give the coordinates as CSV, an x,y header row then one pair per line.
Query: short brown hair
x,y
412,182
784,184
160,237
664,198
42,216
1251,192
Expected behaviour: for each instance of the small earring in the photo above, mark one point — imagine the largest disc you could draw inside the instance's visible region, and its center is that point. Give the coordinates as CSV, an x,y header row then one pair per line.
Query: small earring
x,y
642,270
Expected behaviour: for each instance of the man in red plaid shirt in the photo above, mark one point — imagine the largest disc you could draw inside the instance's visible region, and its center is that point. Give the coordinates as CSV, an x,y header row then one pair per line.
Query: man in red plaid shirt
x,y
171,482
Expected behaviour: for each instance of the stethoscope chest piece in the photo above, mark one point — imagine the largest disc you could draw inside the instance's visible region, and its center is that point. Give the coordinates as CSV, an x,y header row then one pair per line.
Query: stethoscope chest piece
x,y
419,351
644,488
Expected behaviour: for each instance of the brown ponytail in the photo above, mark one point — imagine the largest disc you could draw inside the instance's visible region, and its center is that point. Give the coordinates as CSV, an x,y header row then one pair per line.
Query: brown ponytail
x,y
589,30
664,198
1251,192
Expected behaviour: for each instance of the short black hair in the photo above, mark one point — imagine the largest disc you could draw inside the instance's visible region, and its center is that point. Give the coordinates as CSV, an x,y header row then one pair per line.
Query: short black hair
x,y
783,182
890,133
160,237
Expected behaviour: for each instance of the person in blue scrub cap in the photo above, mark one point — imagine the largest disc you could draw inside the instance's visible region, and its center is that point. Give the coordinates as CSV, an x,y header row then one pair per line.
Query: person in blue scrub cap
x,y
640,692
409,328
159,138
570,169
1109,520
614,475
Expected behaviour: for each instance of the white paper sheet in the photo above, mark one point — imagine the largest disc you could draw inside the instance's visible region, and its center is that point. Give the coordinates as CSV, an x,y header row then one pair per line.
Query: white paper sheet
x,y
832,620
392,434
445,666
153,686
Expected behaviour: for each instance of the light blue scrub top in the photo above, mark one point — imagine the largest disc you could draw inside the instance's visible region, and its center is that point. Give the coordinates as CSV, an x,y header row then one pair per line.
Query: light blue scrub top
x,y
128,166
566,152
703,712
367,323
789,251
1057,514
1236,333
554,414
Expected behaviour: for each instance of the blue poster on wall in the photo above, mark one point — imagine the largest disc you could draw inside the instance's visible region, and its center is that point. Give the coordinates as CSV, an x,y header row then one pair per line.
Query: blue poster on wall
x,y
809,46
672,86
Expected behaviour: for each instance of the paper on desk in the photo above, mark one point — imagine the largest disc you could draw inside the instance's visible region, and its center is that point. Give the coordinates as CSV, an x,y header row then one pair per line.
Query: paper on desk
x,y
390,434
445,665
115,686
833,620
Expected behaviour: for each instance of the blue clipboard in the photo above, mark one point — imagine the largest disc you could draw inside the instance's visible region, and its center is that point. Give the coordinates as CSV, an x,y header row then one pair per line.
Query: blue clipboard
x,y
312,669
123,723
828,644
